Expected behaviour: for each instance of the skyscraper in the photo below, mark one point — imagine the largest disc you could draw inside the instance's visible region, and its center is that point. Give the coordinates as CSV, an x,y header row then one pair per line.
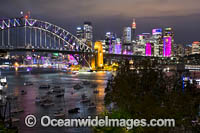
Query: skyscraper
x,y
133,29
168,37
148,49
167,46
110,39
88,33
196,47
127,35
127,47
158,41
79,32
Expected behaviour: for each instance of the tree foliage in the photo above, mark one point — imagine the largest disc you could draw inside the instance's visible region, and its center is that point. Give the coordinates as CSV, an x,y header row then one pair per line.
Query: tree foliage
x,y
149,93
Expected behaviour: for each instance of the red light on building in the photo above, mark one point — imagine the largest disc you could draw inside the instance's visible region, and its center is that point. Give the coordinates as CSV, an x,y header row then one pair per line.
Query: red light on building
x,y
196,42
26,17
133,24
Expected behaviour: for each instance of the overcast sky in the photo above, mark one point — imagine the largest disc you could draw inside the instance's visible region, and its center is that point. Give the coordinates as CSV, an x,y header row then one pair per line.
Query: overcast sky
x,y
113,15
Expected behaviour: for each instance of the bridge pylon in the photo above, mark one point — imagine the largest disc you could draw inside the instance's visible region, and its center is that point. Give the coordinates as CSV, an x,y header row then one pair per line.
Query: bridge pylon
x,y
97,60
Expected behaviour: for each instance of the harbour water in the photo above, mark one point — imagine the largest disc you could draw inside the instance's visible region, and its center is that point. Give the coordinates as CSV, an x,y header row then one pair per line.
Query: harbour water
x,y
70,100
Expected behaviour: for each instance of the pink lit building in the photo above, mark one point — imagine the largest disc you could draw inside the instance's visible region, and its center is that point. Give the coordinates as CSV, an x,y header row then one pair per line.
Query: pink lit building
x,y
167,46
148,49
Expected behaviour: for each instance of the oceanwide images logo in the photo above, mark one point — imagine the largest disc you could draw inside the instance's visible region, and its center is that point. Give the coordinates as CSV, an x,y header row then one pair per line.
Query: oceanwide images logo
x,y
46,121
30,121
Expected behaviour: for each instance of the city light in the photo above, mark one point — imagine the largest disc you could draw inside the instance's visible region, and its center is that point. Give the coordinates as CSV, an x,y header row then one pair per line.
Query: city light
x,y
148,49
167,42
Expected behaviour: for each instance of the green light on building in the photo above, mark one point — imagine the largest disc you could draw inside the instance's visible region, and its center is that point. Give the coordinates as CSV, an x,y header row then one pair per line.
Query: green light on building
x,y
55,54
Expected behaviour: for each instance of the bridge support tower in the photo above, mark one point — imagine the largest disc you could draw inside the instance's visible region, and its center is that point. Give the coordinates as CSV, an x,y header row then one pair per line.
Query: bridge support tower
x,y
97,59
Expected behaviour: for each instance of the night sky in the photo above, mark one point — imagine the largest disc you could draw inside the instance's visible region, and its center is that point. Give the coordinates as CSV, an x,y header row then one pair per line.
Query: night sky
x,y
113,15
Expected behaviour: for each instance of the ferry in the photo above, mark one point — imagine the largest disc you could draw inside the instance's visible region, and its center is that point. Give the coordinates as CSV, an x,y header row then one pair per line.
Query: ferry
x,y
3,81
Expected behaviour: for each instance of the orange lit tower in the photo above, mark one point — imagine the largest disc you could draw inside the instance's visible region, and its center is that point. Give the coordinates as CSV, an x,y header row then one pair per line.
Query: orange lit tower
x,y
98,60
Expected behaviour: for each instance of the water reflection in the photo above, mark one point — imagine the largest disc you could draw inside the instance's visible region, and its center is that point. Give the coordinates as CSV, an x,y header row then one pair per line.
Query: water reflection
x,y
70,100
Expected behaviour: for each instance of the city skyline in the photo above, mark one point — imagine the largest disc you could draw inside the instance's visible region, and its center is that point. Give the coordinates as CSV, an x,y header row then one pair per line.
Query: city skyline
x,y
153,14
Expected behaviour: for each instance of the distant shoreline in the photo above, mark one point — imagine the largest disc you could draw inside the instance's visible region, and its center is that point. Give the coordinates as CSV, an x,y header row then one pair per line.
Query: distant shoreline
x,y
11,71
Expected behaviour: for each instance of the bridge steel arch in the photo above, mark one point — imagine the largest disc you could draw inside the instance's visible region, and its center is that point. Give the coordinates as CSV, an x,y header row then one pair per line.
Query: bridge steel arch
x,y
37,34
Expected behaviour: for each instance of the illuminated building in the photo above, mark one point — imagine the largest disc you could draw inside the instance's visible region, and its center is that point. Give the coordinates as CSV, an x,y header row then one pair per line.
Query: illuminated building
x,y
88,33
118,46
196,47
110,40
157,32
146,35
188,49
133,29
127,35
168,32
139,48
167,46
158,42
148,49
127,42
103,45
179,50
79,32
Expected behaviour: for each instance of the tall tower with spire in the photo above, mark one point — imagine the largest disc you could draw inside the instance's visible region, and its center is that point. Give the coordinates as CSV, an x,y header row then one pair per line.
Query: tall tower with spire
x,y
133,28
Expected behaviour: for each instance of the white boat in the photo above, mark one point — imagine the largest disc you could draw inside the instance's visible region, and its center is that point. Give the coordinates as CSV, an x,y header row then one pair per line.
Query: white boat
x,y
91,106
94,85
23,92
13,120
17,110
3,81
60,95
59,113
56,87
49,92
47,104
58,90
86,100
85,82
44,87
43,99
74,110
77,87
37,100
83,96
11,97
28,83
1,87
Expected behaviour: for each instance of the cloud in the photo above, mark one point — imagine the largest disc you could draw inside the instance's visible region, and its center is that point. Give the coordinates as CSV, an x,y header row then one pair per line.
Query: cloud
x,y
130,8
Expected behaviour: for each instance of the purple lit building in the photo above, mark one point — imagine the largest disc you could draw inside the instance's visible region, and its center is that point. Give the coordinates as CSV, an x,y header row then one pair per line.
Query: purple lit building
x,y
167,44
118,46
110,41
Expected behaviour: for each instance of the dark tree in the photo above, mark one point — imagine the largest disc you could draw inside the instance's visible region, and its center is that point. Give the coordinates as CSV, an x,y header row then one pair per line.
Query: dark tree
x,y
147,92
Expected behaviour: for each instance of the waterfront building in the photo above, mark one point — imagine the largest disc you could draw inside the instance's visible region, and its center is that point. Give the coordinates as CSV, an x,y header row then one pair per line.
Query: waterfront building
x,y
110,40
88,33
196,47
168,42
79,32
157,41
127,41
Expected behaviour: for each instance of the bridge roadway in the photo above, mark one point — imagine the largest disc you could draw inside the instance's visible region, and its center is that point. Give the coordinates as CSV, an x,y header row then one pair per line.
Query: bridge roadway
x,y
74,52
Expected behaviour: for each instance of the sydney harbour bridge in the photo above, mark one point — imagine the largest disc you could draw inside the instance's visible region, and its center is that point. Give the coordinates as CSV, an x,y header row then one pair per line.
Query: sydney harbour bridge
x,y
29,34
